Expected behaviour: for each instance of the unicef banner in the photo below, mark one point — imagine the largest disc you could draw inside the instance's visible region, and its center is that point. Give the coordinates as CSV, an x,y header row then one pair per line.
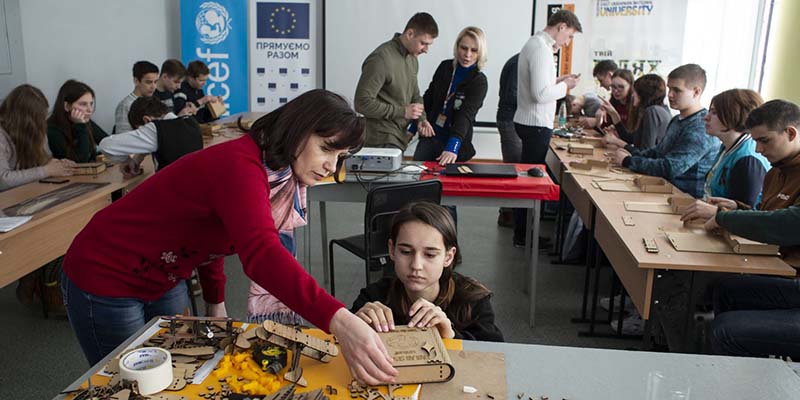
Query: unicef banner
x,y
215,32
283,51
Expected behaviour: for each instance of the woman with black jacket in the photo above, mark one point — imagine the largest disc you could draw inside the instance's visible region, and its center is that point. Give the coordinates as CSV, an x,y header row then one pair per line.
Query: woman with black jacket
x,y
453,99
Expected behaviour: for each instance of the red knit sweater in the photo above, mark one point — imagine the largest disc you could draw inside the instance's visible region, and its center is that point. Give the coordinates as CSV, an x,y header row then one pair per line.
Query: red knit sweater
x,y
207,205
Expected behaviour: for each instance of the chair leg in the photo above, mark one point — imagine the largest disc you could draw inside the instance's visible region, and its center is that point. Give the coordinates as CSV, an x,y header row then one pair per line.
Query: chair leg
x,y
330,260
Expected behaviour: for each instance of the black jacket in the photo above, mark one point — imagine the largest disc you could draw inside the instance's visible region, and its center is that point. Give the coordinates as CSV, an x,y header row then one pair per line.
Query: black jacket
x,y
471,91
481,326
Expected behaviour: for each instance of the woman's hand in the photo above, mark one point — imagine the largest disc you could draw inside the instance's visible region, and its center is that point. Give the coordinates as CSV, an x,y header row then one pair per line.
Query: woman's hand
x,y
363,350
425,314
216,310
132,167
378,315
611,112
56,167
78,117
699,210
425,129
613,142
447,157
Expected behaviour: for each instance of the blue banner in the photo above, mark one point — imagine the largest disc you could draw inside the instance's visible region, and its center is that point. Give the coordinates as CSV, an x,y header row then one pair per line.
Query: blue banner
x,y
215,32
282,20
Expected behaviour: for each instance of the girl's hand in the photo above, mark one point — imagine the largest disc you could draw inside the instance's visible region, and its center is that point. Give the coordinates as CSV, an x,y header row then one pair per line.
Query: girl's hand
x,y
699,210
77,116
378,315
63,167
425,314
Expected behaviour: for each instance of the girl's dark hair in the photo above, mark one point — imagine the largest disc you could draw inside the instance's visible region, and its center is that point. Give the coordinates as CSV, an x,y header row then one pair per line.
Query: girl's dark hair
x,y
734,105
651,90
456,292
627,76
70,92
282,133
146,106
23,115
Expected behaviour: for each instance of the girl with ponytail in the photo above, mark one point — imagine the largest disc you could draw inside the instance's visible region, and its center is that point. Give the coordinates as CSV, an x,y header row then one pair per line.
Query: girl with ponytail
x,y
426,292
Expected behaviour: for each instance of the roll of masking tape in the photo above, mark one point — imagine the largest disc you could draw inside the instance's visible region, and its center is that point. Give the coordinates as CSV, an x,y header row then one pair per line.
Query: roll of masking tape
x,y
151,367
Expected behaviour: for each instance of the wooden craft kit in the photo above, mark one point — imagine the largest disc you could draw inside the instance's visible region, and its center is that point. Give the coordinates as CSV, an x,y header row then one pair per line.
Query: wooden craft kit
x,y
419,355
581,148
587,165
705,242
216,108
92,168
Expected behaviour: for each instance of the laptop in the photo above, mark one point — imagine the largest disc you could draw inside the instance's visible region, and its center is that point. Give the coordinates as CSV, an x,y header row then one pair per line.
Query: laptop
x,y
481,170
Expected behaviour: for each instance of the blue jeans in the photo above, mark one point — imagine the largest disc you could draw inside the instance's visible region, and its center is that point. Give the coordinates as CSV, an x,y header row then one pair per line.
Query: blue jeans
x,y
535,143
757,316
103,323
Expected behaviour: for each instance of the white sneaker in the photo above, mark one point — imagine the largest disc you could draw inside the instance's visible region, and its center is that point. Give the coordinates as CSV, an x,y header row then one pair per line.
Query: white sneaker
x,y
604,302
633,325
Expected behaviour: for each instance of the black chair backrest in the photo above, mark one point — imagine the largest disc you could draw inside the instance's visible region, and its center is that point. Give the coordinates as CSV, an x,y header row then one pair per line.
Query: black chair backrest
x,y
384,201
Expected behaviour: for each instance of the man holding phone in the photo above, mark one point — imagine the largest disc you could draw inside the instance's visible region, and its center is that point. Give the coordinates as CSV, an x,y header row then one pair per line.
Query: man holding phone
x,y
537,92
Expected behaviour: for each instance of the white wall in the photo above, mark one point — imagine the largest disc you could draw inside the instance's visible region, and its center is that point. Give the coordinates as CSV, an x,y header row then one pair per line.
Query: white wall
x,y
97,42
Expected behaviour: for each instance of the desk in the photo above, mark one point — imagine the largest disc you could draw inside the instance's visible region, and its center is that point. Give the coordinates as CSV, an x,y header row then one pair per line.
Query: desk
x,y
580,373
354,193
50,232
637,269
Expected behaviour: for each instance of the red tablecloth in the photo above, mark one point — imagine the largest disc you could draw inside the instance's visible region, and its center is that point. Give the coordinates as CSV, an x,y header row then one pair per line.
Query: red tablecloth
x,y
522,187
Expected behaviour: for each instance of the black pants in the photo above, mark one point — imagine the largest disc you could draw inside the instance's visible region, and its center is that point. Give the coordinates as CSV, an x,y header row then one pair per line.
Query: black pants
x,y
535,142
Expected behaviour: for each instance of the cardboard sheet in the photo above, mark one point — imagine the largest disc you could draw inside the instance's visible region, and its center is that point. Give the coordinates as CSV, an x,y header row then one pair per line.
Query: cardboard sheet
x,y
483,371
699,242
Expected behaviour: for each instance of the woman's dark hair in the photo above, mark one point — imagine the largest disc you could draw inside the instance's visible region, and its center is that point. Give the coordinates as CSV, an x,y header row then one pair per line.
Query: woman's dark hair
x,y
69,93
282,133
627,76
23,115
651,90
456,292
734,105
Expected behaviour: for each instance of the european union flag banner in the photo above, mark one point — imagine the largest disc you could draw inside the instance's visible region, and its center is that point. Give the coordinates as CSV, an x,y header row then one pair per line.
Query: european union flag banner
x,y
282,21
283,52
215,32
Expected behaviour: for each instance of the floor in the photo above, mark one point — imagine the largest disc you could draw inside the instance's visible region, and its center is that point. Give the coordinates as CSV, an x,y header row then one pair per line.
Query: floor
x,y
40,357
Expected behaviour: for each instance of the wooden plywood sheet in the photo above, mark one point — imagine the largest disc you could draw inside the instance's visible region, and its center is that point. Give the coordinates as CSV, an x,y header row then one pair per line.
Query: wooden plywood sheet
x,y
649,207
617,186
483,371
699,242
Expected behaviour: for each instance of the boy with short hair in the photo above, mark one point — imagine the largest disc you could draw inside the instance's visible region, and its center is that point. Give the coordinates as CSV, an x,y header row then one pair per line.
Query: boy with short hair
x,y
756,316
145,75
388,93
603,71
172,74
191,91
686,153
158,131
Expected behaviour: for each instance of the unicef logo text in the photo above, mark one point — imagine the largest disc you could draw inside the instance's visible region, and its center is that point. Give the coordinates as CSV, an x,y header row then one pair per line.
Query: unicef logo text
x,y
213,23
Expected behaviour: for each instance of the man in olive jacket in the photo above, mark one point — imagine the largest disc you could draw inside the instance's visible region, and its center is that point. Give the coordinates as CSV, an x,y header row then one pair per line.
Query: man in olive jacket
x,y
388,93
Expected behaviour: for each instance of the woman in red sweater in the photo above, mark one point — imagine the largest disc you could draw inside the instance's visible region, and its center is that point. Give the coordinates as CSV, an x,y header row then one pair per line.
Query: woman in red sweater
x,y
127,264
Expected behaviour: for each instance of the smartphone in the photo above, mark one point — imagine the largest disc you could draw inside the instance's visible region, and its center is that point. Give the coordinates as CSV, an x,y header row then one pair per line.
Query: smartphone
x,y
54,180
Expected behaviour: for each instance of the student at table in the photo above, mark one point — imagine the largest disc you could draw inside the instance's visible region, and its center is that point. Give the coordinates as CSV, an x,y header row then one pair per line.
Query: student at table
x,y
758,316
453,99
648,120
71,133
738,173
127,265
621,99
145,76
24,153
603,71
427,292
510,143
191,91
686,153
583,106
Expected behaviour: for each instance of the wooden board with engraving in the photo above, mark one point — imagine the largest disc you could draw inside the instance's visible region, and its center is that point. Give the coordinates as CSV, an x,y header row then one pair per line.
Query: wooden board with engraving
x,y
419,355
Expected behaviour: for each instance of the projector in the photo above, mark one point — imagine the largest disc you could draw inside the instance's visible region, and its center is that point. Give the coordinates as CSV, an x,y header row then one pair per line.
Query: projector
x,y
372,159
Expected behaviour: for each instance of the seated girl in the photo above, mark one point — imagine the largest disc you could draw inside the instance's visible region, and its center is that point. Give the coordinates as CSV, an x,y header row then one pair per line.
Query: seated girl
x,y
71,133
738,173
24,155
649,116
426,291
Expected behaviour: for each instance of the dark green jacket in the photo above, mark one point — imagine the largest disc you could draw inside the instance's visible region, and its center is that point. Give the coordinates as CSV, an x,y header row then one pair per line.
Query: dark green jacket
x,y
387,85
84,148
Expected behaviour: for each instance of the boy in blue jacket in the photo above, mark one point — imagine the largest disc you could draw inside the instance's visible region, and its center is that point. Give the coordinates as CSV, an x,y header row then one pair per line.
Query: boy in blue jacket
x,y
686,153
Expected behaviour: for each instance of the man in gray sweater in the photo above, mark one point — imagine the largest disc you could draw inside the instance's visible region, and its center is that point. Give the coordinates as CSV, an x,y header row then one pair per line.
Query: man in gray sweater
x,y
388,93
